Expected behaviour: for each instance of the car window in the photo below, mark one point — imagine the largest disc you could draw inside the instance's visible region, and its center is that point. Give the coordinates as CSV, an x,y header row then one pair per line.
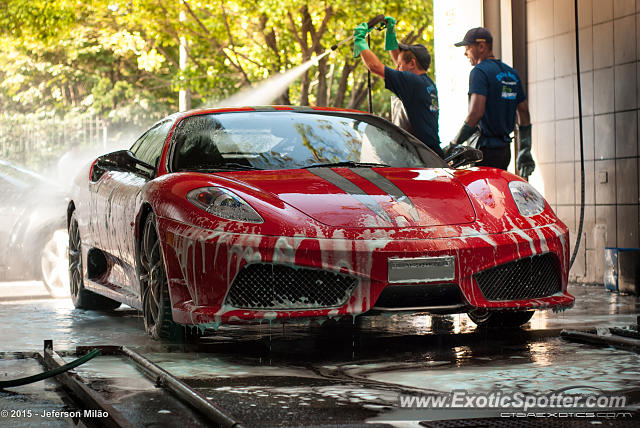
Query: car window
x,y
148,148
286,139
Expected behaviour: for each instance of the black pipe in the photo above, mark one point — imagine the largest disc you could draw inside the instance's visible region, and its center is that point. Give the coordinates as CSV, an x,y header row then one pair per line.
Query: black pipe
x,y
579,237
89,398
594,339
183,391
369,98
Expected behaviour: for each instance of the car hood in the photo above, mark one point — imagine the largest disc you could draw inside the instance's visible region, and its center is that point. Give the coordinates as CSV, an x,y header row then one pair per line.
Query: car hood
x,y
368,197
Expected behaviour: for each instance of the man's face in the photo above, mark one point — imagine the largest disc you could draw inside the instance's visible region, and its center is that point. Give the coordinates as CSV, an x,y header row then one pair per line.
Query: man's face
x,y
472,52
403,64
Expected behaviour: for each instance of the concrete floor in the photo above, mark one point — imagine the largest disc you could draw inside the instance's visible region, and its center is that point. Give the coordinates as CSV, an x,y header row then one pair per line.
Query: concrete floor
x,y
302,375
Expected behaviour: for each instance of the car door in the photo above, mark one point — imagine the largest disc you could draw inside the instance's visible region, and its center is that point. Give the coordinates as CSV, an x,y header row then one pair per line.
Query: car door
x,y
122,198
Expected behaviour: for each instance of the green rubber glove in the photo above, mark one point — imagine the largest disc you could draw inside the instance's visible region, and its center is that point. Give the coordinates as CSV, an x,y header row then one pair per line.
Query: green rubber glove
x,y
524,160
390,39
463,135
359,39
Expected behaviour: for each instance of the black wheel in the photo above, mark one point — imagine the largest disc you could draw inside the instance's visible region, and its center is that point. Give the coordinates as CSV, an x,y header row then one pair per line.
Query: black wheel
x,y
156,303
82,298
509,319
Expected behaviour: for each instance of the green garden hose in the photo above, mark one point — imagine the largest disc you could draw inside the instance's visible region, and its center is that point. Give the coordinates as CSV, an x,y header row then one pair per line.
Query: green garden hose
x,y
50,373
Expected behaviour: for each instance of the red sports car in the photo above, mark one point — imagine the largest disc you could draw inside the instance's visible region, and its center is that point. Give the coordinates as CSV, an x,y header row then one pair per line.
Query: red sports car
x,y
273,213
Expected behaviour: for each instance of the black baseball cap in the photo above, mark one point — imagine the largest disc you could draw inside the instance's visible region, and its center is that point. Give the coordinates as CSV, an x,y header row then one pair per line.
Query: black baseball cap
x,y
476,35
421,53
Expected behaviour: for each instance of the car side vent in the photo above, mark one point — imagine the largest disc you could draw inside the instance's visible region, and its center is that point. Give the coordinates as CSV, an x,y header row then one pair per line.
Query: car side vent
x,y
528,278
274,286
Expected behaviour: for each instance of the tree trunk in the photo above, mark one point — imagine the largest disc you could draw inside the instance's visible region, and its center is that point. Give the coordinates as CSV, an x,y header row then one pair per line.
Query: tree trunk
x,y
321,90
284,99
344,81
359,93
304,89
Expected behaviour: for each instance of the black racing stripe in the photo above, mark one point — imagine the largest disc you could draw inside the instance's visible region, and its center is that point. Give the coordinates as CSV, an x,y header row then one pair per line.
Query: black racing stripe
x,y
390,188
352,189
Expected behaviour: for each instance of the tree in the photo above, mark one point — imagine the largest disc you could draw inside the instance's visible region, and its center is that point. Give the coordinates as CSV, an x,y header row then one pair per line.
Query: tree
x,y
120,60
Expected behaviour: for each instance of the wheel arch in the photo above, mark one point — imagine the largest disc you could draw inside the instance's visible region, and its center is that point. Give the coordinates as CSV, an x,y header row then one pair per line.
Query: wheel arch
x,y
141,218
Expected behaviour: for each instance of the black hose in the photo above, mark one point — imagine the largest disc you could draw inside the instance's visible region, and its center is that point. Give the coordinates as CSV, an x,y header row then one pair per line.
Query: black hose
x,y
369,81
578,239
50,373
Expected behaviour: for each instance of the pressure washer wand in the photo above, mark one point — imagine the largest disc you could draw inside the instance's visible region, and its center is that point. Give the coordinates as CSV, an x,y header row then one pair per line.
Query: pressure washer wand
x,y
378,19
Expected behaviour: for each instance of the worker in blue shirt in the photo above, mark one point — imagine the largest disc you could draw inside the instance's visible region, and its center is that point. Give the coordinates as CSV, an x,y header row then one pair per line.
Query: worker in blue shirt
x,y
417,108
496,99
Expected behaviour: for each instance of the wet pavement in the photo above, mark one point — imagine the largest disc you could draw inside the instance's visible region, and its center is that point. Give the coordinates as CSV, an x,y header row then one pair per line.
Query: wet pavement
x,y
342,373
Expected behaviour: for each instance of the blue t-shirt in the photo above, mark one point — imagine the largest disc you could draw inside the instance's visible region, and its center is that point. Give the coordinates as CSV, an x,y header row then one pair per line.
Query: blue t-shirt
x,y
503,89
419,96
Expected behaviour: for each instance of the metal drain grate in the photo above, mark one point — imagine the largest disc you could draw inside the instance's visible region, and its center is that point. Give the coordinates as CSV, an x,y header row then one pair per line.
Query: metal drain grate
x,y
272,286
528,278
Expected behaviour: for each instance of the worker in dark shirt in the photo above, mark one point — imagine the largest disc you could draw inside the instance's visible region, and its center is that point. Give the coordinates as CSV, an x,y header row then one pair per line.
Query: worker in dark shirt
x,y
496,98
409,82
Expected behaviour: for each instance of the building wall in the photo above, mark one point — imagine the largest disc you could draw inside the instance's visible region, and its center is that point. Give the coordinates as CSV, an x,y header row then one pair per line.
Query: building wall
x,y
610,78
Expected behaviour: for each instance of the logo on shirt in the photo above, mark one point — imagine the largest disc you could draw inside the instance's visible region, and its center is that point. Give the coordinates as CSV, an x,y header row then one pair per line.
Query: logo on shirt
x,y
433,94
509,83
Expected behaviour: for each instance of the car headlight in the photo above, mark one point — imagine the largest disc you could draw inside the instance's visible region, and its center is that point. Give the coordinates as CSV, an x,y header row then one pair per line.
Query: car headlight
x,y
223,203
527,199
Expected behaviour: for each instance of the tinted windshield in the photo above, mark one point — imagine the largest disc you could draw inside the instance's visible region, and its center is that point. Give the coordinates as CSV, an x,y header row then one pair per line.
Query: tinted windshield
x,y
285,139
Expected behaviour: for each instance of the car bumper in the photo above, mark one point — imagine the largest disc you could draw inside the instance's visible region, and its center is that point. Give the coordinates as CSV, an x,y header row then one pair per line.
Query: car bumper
x,y
202,266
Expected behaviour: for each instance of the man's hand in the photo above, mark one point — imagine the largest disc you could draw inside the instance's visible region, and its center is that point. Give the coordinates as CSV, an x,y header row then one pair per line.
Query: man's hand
x,y
448,150
464,134
390,39
524,160
359,39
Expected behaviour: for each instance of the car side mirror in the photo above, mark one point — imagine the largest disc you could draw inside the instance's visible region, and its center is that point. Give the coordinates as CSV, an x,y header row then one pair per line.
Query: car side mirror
x,y
122,160
463,155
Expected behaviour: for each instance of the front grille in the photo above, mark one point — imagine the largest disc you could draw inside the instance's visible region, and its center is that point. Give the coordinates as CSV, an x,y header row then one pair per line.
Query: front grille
x,y
529,278
272,286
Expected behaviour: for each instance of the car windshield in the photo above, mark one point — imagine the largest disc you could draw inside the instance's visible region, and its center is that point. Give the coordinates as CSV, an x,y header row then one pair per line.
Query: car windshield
x,y
294,139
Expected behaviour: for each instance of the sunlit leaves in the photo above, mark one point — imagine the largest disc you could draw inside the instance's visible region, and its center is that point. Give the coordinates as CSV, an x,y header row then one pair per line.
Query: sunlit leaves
x,y
150,61
36,19
121,58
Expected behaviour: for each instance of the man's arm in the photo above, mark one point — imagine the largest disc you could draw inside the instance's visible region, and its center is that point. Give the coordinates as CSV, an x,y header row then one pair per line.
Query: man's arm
x,y
372,62
395,56
524,118
477,104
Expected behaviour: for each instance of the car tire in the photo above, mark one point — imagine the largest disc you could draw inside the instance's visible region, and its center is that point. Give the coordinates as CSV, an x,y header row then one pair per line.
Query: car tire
x,y
505,319
81,297
156,302
54,260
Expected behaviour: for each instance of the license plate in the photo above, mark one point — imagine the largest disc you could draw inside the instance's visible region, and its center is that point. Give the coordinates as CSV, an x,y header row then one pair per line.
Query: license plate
x,y
421,269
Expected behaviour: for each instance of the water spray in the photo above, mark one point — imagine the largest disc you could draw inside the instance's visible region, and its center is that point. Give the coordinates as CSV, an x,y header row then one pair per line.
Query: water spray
x,y
274,86
271,88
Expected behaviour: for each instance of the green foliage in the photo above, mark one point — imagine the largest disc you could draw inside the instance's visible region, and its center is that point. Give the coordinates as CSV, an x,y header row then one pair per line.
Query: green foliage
x,y
36,20
121,60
